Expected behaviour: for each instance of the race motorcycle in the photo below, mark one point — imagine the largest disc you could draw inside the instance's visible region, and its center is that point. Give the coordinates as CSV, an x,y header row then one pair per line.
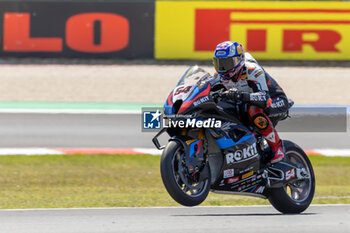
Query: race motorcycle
x,y
228,158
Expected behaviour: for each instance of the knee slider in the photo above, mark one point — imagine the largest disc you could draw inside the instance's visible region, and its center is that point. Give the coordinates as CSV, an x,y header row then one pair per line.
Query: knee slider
x,y
260,121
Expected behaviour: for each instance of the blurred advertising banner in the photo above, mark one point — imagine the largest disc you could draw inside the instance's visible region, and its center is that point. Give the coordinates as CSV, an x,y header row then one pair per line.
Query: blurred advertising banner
x,y
268,30
77,29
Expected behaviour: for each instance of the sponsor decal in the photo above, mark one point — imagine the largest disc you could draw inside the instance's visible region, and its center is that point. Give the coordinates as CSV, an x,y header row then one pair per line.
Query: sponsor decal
x,y
244,76
271,137
257,75
298,30
261,122
77,29
279,152
222,183
251,69
278,104
201,100
246,170
242,155
244,176
254,178
290,174
233,180
228,173
257,97
260,189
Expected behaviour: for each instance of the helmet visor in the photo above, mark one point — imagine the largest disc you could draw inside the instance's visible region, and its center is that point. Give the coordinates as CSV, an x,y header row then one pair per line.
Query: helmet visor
x,y
224,64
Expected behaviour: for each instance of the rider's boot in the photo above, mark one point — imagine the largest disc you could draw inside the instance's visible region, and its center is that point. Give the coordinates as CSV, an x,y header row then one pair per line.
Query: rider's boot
x,y
275,144
266,128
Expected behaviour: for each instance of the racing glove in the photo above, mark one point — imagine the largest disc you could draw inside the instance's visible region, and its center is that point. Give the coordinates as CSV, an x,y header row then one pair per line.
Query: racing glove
x,y
235,94
260,99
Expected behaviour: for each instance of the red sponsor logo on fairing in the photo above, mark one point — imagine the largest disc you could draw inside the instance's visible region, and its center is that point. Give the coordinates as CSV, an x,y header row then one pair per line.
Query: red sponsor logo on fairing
x,y
233,180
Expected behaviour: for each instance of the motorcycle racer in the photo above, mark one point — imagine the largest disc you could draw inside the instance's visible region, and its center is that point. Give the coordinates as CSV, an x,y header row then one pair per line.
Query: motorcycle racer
x,y
248,82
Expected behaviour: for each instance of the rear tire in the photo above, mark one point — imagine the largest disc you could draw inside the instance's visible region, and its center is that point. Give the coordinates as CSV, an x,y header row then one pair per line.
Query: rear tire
x,y
171,165
301,194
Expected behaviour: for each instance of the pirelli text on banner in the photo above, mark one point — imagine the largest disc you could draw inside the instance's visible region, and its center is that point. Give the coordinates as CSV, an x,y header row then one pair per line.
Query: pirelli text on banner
x,y
269,30
77,29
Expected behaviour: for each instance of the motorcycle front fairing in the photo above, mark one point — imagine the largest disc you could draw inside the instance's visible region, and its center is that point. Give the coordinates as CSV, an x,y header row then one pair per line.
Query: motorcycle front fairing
x,y
192,90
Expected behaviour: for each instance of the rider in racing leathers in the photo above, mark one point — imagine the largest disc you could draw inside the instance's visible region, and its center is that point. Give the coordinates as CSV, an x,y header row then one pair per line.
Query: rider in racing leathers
x,y
247,81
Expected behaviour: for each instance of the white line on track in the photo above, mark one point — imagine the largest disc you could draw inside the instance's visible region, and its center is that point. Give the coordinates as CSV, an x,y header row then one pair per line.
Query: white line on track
x,y
28,151
150,151
334,152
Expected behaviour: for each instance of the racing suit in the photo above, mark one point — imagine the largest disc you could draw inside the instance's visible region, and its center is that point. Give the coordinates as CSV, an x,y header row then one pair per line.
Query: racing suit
x,y
266,101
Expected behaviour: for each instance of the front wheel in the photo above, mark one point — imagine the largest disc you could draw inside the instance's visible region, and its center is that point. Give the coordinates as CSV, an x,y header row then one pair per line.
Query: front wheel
x,y
185,188
295,196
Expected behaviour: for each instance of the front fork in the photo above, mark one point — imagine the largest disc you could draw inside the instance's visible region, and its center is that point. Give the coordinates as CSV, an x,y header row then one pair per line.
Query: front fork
x,y
195,154
196,160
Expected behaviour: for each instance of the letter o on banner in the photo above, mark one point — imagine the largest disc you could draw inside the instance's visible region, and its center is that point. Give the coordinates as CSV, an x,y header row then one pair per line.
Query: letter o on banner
x,y
97,32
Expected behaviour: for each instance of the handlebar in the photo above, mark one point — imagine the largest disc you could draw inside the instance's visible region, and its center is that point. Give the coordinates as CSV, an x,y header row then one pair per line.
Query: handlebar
x,y
217,94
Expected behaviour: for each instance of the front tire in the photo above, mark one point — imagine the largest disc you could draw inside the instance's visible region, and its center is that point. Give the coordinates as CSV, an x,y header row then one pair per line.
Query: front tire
x,y
294,197
176,180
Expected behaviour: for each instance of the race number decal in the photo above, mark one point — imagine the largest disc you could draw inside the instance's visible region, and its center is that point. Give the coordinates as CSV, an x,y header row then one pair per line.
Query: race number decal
x,y
290,174
183,90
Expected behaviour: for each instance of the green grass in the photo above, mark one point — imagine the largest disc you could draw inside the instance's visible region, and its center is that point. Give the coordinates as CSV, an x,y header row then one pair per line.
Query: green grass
x,y
126,180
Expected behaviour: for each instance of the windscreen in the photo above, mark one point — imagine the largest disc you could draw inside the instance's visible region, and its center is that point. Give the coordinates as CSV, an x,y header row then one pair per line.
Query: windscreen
x,y
192,78
194,75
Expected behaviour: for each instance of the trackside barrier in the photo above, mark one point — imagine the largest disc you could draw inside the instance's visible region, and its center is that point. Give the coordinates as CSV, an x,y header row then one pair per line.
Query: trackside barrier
x,y
269,30
77,29
174,29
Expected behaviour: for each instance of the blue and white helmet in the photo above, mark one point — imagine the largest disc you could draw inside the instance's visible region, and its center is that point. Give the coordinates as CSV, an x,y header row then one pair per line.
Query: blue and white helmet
x,y
228,59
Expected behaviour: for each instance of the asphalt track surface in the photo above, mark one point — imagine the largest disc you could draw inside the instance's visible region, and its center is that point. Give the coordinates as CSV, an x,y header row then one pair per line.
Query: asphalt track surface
x,y
115,131
316,219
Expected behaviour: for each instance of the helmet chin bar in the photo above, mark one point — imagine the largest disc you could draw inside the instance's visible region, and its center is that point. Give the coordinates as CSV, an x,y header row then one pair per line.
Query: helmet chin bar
x,y
235,75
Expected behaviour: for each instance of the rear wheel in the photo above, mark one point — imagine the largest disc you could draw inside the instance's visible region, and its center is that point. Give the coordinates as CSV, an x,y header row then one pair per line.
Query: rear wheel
x,y
295,196
184,187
